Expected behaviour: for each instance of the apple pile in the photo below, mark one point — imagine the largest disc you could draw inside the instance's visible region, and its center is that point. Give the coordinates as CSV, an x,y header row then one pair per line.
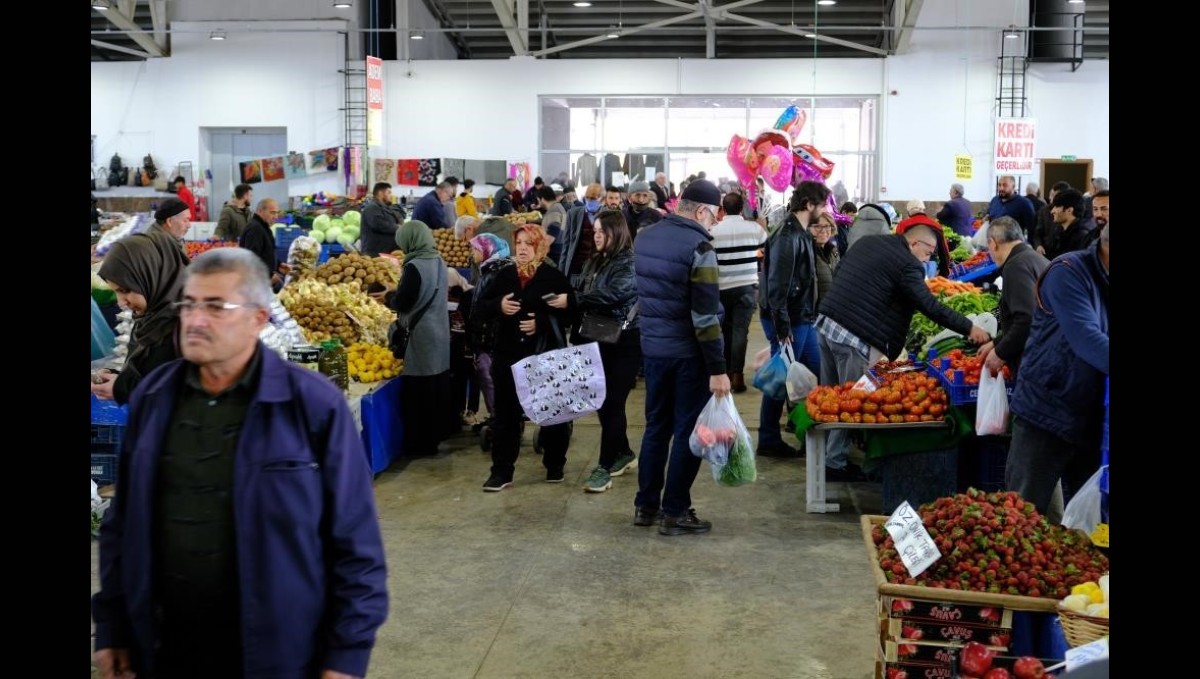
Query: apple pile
x,y
996,543
975,662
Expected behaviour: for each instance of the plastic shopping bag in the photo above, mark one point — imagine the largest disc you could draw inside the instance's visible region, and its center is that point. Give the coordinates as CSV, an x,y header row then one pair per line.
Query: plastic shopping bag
x,y
721,437
991,415
771,379
800,381
561,385
760,359
1083,511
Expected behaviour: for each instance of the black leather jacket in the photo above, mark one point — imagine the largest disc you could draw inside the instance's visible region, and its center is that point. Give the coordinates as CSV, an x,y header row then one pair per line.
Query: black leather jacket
x,y
787,283
607,286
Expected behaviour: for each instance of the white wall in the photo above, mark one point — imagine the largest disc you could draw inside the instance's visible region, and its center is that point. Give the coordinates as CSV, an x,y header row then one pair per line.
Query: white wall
x,y
274,79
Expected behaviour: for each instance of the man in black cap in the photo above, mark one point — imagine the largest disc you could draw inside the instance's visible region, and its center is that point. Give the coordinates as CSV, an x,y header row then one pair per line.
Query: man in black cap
x,y
676,270
171,221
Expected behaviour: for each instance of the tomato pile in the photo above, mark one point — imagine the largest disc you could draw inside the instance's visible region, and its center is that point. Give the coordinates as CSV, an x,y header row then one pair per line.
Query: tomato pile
x,y
903,397
996,543
981,258
971,367
196,247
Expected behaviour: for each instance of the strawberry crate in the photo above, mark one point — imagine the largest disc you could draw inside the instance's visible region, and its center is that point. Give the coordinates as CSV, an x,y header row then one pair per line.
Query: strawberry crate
x,y
104,468
958,390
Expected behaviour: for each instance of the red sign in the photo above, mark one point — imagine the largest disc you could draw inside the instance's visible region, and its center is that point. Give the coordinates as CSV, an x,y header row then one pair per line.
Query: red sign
x,y
1016,144
375,83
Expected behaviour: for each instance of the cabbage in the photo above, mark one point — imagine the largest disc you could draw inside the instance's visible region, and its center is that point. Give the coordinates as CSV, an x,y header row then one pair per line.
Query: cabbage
x,y
321,223
333,234
345,240
317,235
336,221
352,218
352,231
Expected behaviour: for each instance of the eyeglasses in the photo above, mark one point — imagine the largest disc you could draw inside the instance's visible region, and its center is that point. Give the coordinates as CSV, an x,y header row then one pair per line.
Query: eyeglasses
x,y
931,246
212,308
820,227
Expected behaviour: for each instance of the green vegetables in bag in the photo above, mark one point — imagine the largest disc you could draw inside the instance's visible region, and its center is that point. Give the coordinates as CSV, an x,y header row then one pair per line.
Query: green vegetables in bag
x,y
740,469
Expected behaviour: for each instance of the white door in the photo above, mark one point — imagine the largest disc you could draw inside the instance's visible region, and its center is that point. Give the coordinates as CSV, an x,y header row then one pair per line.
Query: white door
x,y
228,148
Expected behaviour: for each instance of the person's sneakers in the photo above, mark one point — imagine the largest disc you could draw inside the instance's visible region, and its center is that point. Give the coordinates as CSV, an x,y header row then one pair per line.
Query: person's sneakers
x,y
688,523
469,418
780,450
646,517
497,483
625,463
851,473
554,475
599,481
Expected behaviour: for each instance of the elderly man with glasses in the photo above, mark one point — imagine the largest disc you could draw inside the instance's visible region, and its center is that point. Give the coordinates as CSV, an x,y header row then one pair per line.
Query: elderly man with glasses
x,y
865,317
244,540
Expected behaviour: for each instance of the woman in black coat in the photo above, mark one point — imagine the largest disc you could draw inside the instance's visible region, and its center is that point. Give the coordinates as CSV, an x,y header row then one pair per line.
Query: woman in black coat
x,y
533,304
608,290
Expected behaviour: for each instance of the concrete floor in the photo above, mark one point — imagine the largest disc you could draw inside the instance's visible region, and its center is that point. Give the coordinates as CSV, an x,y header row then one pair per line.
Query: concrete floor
x,y
545,580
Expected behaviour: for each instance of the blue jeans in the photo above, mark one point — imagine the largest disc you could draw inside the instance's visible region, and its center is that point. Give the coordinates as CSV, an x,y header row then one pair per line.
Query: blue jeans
x,y
805,350
676,392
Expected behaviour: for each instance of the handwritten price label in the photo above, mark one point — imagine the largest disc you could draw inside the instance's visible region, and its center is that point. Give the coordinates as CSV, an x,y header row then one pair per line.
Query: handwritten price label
x,y
1088,653
917,549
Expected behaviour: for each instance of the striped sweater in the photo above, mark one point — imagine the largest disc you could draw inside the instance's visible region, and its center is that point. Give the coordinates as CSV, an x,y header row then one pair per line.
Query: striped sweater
x,y
737,241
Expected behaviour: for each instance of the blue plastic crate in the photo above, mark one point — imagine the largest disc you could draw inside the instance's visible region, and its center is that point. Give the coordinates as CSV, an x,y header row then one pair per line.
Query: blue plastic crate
x,y
284,236
329,250
108,412
959,391
104,468
993,458
918,477
106,434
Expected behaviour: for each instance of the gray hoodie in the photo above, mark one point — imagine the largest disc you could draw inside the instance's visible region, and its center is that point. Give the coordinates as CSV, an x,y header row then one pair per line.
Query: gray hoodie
x,y
870,221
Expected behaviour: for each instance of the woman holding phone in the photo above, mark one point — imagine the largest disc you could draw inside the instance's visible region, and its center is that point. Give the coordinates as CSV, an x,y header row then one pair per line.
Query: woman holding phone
x,y
533,305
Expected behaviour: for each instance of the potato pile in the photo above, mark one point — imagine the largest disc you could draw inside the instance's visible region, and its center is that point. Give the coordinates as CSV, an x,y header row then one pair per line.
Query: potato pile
x,y
455,251
519,218
343,311
355,268
371,363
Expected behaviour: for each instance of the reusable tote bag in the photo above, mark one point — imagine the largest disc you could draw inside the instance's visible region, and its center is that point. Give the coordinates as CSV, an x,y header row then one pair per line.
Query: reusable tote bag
x,y
560,385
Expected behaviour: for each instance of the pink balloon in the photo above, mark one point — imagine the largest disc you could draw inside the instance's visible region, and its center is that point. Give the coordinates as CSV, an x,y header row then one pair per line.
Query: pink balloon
x,y
736,154
776,169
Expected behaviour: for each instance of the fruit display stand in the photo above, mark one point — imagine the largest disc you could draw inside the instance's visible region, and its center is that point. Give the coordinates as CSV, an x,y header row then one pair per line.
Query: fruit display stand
x,y
376,411
945,619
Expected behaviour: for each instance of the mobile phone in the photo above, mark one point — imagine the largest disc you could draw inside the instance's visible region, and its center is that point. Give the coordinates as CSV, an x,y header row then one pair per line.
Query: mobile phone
x,y
549,298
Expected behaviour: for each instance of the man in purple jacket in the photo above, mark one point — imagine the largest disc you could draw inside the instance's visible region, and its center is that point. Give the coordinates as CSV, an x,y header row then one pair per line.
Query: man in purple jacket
x,y
243,541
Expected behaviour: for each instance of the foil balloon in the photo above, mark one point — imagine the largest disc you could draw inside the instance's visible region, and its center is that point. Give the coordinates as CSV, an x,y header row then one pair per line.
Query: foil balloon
x,y
736,154
813,157
776,168
791,122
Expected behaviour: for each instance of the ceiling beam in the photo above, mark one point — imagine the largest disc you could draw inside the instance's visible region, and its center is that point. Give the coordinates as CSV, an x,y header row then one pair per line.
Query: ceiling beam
x,y
504,11
710,30
804,32
912,8
440,14
118,48
625,31
135,32
158,17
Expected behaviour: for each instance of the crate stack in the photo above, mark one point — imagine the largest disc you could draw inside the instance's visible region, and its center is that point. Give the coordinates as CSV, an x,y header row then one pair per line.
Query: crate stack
x,y
108,430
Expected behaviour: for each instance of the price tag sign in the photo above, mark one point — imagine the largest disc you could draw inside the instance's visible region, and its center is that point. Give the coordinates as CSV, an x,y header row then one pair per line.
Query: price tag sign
x,y
917,550
865,383
1088,653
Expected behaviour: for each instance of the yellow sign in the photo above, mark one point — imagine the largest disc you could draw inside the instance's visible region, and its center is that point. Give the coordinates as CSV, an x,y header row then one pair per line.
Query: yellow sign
x,y
962,167
374,127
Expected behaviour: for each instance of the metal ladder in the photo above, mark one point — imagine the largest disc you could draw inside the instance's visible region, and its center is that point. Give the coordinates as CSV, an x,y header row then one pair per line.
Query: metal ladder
x,y
354,110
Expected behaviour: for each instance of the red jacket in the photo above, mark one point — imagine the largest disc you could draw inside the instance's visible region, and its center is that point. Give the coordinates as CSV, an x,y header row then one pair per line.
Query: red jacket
x,y
185,194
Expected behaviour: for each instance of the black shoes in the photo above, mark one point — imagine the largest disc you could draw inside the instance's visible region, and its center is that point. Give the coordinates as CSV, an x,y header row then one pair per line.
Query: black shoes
x,y
780,450
852,473
554,475
497,483
688,523
646,517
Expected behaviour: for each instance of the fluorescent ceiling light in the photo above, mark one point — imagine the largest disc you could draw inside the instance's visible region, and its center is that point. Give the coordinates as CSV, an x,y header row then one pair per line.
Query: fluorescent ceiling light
x,y
1011,35
101,5
416,36
582,4
810,36
613,34
829,2
217,35
1074,2
343,4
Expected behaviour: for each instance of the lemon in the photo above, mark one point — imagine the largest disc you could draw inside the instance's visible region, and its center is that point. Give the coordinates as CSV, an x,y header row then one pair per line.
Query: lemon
x,y
1091,590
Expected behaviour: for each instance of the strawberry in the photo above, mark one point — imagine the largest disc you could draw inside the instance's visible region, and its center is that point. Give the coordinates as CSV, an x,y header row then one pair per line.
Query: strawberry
x,y
999,640
913,633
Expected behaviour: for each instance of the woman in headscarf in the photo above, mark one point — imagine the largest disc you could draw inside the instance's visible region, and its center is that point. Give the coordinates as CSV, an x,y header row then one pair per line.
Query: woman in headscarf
x,y
148,281
420,301
532,303
491,254
608,290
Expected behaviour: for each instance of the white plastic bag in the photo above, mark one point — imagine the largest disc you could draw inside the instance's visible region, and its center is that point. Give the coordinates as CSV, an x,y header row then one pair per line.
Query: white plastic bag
x,y
991,415
721,437
800,381
1083,511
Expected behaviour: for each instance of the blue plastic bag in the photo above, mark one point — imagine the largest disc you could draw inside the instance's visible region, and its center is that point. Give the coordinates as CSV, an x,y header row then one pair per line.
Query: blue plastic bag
x,y
771,379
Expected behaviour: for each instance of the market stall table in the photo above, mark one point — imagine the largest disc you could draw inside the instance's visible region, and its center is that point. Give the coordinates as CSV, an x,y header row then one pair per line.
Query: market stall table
x,y
814,445
376,411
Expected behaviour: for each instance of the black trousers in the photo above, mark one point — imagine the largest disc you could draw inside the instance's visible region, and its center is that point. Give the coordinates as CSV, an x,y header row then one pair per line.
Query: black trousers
x,y
739,304
621,363
425,407
506,443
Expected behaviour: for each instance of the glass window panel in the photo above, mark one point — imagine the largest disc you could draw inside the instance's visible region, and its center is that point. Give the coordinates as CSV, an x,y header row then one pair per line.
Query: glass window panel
x,y
705,122
634,124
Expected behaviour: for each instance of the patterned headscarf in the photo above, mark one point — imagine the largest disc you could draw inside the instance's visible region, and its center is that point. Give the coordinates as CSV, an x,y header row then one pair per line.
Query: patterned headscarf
x,y
537,236
491,246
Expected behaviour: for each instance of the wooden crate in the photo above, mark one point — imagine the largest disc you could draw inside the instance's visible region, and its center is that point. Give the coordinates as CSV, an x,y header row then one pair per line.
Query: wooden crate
x,y
883,587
